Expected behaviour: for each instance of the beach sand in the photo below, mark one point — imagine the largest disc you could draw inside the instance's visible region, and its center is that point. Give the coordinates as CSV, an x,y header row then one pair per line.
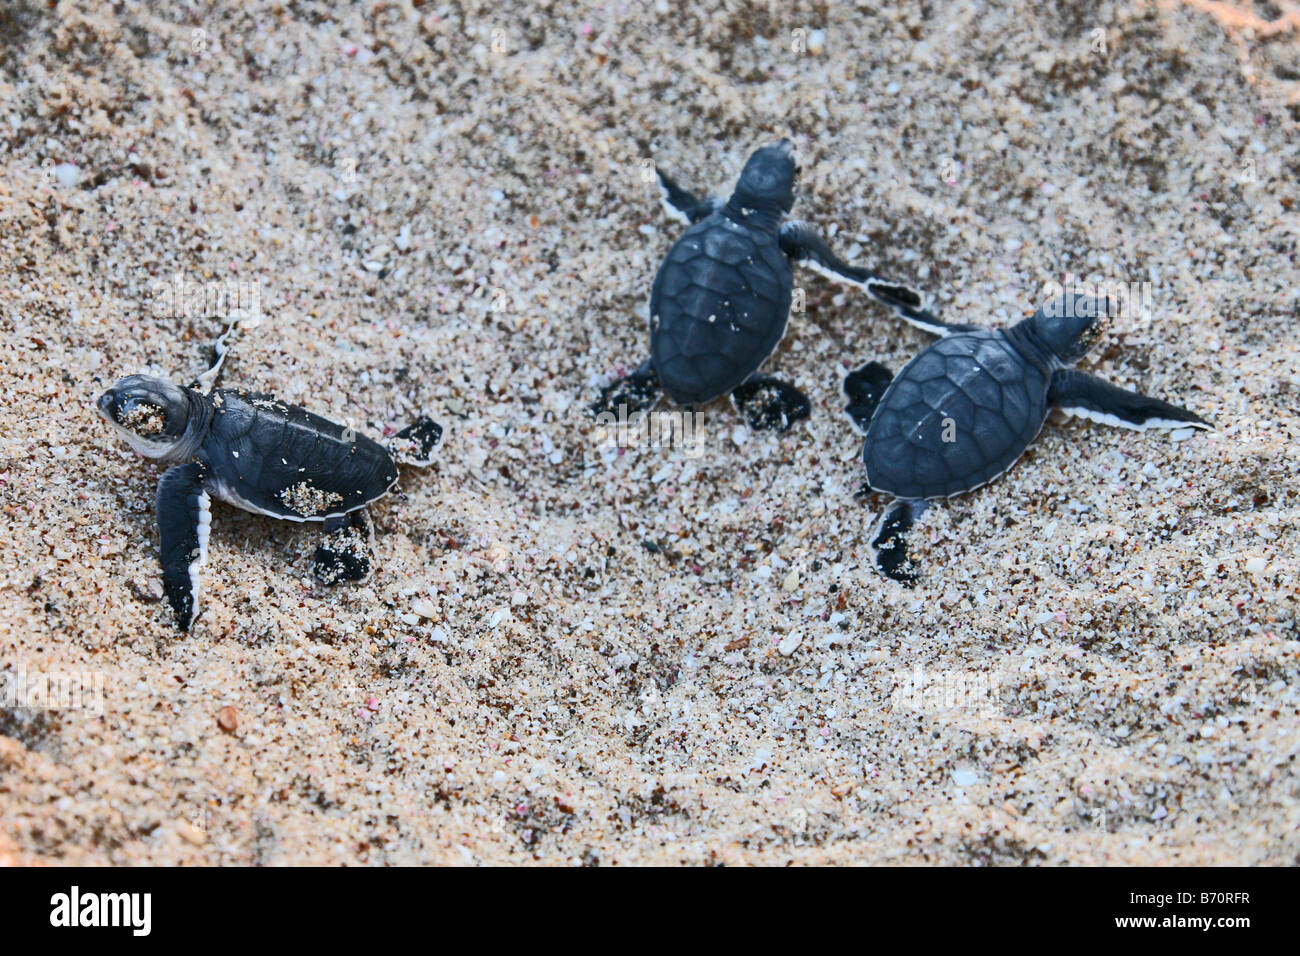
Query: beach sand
x,y
572,653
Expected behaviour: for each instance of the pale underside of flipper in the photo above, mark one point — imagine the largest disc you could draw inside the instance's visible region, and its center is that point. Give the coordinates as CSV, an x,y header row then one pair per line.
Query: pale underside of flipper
x,y
1093,398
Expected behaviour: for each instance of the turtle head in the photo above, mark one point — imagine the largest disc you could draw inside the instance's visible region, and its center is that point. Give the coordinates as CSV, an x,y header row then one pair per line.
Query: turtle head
x,y
154,416
1070,324
767,181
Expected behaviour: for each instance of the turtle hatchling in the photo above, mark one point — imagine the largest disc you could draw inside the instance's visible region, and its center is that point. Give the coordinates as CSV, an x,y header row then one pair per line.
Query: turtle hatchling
x,y
721,300
264,456
959,414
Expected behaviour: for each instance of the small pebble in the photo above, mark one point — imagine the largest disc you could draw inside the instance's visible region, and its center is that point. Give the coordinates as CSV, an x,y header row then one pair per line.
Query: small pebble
x,y
190,833
965,777
228,719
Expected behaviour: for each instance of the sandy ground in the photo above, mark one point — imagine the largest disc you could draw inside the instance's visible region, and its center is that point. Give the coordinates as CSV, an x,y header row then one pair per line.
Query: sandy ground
x,y
576,654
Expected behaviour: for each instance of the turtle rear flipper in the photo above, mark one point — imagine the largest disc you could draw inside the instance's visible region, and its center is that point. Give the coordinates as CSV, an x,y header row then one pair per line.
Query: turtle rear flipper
x,y
890,542
683,204
637,392
184,520
863,389
415,443
344,552
769,403
1078,393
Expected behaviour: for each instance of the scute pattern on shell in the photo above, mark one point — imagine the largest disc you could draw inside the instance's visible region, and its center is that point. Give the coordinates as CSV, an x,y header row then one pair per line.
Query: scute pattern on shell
x,y
262,450
956,417
718,308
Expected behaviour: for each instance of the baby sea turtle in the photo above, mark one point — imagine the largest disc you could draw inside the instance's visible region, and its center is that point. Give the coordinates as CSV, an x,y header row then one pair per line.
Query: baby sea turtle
x,y
264,456
960,413
721,300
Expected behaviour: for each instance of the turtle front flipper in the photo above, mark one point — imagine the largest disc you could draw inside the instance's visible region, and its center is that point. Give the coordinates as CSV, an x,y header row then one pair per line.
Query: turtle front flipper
x,y
863,389
637,392
890,542
415,443
183,524
769,403
344,552
1078,393
803,244
682,204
